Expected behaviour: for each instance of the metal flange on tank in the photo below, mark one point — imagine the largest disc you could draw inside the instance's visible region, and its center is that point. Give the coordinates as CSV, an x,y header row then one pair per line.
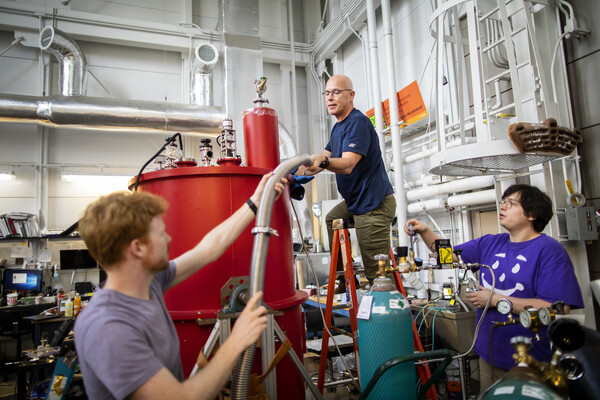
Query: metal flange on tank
x,y
234,294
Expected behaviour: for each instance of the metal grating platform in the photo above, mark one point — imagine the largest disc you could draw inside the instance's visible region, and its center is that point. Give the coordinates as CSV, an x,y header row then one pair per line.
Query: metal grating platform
x,y
488,158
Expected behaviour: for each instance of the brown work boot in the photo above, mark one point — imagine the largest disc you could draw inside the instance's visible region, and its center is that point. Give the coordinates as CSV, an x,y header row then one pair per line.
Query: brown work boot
x,y
341,288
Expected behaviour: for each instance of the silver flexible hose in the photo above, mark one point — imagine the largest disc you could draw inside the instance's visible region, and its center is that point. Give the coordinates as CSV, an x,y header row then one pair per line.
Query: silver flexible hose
x,y
262,232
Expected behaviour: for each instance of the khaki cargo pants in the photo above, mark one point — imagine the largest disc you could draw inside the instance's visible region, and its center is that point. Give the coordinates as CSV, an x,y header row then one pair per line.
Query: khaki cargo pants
x,y
372,231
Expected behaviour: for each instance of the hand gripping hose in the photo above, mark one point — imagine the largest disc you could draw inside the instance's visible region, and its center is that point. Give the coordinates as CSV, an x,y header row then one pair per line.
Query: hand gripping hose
x,y
262,231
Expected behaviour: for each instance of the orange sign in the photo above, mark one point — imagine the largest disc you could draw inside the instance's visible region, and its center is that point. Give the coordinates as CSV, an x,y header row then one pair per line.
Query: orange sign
x,y
411,107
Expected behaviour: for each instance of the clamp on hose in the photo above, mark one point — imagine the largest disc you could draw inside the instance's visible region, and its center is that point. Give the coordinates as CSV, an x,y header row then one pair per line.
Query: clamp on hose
x,y
264,229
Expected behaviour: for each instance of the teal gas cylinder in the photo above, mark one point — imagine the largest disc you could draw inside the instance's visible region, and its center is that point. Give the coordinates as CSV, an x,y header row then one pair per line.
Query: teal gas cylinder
x,y
387,333
520,383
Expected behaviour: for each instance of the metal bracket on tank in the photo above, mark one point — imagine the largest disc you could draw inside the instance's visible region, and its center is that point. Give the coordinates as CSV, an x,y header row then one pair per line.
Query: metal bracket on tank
x,y
264,229
234,294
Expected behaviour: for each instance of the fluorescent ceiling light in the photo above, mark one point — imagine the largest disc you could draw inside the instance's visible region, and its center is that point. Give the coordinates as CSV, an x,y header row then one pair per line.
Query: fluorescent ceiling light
x,y
94,178
7,176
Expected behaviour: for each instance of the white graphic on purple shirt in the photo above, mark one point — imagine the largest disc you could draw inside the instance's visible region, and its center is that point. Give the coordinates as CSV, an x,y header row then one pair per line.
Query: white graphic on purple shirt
x,y
515,269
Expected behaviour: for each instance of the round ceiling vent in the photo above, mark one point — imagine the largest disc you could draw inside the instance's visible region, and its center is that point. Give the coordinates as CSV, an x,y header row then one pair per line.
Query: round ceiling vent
x,y
207,54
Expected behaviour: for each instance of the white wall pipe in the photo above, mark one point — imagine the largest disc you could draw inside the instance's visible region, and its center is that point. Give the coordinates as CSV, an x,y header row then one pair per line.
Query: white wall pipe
x,y
388,36
428,205
293,66
473,199
460,185
432,150
426,180
374,57
461,200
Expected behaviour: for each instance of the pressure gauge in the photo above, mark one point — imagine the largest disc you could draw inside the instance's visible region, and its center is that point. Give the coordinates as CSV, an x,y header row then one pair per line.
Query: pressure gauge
x,y
546,315
504,306
526,317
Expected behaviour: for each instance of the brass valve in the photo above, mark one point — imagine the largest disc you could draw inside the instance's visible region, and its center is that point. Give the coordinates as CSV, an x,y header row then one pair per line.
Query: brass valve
x,y
413,265
383,264
522,345
551,375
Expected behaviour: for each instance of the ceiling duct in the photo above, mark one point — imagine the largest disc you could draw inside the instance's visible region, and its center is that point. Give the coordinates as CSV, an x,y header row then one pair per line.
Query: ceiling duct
x,y
70,58
73,110
103,113
206,56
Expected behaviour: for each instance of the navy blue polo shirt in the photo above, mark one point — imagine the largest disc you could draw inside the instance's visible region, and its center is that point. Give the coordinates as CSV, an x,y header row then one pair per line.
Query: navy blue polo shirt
x,y
366,186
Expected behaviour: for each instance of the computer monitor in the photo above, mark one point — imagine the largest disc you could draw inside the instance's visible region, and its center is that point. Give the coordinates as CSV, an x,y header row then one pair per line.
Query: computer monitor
x,y
77,259
22,280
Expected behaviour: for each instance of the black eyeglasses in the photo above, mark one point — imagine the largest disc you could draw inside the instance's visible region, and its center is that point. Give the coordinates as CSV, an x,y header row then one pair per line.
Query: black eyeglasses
x,y
508,204
335,92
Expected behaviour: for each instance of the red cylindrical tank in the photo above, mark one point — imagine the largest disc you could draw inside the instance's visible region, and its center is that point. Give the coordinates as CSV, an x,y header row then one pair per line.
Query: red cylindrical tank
x,y
200,198
261,137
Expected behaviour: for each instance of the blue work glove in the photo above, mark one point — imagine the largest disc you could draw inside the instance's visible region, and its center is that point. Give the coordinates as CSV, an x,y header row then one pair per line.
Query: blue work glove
x,y
296,188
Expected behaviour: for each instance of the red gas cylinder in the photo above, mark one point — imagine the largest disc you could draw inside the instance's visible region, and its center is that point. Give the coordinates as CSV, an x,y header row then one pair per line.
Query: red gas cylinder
x,y
261,137
199,199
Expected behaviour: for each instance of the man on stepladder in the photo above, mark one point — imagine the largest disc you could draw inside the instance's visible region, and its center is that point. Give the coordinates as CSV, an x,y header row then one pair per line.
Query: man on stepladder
x,y
354,155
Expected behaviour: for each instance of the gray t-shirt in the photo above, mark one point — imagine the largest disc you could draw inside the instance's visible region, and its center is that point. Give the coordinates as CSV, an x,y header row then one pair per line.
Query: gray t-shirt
x,y
122,341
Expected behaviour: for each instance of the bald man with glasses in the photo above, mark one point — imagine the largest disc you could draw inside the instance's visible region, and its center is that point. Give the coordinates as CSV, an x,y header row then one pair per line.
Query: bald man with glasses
x,y
354,155
531,269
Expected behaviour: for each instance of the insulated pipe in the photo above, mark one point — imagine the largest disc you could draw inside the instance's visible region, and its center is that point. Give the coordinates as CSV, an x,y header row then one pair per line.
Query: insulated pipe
x,y
428,205
70,58
472,199
293,68
206,56
388,36
460,185
426,180
467,199
262,231
374,56
103,113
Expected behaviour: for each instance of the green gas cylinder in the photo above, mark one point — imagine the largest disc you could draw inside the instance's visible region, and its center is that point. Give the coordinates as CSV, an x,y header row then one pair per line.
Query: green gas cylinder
x,y
387,333
520,383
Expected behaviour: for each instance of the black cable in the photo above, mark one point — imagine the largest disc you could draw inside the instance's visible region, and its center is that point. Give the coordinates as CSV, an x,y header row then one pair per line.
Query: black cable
x,y
168,141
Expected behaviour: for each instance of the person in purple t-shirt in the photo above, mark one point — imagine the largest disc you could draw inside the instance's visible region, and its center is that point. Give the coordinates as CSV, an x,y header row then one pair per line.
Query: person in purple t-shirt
x,y
126,342
354,155
531,269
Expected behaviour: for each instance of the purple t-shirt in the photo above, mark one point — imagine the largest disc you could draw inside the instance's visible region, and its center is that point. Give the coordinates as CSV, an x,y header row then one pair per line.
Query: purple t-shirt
x,y
123,341
538,268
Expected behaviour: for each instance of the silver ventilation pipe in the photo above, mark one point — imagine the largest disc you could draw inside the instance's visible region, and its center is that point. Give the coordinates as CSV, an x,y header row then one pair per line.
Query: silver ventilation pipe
x,y
206,56
104,113
71,109
70,58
